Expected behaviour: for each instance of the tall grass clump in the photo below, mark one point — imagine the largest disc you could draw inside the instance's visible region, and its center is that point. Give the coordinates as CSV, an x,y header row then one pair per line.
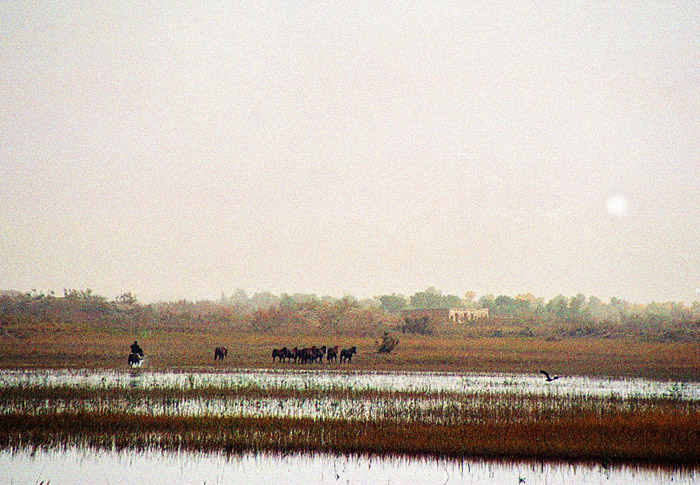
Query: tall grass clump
x,y
387,344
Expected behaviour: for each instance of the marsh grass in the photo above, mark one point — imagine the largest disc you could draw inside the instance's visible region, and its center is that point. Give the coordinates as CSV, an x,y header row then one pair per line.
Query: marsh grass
x,y
642,437
415,423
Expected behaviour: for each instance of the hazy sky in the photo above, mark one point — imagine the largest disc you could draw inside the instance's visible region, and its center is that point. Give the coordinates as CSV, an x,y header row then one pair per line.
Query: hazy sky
x,y
182,149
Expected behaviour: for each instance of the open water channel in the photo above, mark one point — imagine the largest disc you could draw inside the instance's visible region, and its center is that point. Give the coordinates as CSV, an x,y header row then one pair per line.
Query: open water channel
x,y
77,465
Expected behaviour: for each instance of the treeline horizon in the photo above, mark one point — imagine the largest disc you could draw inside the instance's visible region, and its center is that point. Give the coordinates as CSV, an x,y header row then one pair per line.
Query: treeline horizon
x,y
523,315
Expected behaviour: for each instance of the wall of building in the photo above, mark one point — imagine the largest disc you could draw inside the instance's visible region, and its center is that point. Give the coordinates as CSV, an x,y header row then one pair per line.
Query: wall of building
x,y
441,315
467,314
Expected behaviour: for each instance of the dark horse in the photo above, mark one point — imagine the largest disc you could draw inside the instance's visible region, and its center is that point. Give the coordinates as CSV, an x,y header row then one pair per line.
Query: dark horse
x,y
305,355
280,354
134,360
312,355
332,354
320,354
220,353
346,354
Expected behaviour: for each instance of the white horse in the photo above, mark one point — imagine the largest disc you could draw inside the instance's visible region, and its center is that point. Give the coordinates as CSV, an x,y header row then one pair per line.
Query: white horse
x,y
135,360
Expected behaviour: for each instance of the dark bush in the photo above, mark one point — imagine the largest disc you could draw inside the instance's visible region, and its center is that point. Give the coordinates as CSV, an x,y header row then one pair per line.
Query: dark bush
x,y
420,326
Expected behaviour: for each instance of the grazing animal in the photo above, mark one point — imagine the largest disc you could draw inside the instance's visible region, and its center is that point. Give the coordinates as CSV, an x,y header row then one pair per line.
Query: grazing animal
x,y
332,354
313,354
220,353
134,360
346,354
293,354
548,378
320,354
280,354
308,355
303,355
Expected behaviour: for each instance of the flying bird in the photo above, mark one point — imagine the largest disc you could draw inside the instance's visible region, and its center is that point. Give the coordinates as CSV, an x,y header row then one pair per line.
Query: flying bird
x,y
548,378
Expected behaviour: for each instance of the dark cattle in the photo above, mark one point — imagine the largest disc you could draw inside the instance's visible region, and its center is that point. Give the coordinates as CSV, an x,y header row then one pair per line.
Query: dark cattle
x,y
280,354
332,354
134,360
220,353
346,354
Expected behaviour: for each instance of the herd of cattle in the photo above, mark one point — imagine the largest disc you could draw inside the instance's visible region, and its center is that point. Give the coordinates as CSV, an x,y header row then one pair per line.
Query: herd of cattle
x,y
312,355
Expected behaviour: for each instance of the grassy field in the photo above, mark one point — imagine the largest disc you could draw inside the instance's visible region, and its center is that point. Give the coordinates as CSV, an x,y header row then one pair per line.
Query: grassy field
x,y
74,346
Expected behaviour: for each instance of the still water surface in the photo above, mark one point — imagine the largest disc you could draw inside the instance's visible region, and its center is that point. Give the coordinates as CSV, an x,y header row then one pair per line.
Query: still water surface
x,y
390,381
76,466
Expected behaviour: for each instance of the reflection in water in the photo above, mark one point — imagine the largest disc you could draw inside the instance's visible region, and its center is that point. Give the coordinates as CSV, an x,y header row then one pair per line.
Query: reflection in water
x,y
88,467
389,381
135,378
467,394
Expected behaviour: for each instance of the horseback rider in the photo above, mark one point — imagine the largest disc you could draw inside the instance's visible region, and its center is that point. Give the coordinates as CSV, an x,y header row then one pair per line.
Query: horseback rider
x,y
136,349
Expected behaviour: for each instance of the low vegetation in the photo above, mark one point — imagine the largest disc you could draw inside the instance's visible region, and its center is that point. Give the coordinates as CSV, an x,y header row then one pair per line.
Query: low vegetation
x,y
388,343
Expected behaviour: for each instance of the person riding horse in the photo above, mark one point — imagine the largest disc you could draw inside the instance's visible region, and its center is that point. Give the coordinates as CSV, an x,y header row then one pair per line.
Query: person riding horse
x,y
136,355
136,348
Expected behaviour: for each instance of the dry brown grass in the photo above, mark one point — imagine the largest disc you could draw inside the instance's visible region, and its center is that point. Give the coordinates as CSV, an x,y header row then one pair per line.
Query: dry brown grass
x,y
650,437
74,346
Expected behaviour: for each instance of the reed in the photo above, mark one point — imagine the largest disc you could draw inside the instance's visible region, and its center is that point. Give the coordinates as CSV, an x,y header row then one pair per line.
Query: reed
x,y
481,424
639,437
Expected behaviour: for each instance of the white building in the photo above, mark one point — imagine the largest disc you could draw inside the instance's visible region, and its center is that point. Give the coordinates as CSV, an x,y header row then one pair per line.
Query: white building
x,y
467,314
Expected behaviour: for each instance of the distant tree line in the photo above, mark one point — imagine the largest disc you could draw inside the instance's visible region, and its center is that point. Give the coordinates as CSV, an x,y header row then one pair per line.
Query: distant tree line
x,y
523,315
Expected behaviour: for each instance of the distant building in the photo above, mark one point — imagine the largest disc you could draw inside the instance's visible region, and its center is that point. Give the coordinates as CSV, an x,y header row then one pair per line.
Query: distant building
x,y
443,315
458,315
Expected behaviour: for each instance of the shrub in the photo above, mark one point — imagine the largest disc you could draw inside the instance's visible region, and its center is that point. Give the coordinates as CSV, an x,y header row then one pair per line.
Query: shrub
x,y
388,344
420,326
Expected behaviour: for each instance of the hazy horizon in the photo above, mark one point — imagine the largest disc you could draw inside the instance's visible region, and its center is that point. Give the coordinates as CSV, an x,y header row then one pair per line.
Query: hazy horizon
x,y
179,152
232,295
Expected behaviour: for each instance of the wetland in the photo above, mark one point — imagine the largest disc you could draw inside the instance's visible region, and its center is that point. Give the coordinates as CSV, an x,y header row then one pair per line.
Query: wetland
x,y
459,408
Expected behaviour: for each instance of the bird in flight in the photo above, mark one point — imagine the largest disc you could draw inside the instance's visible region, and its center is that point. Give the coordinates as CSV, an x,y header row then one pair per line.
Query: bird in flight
x,y
548,378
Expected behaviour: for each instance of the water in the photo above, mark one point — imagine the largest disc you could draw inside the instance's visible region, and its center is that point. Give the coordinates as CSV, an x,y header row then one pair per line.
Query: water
x,y
389,381
80,466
